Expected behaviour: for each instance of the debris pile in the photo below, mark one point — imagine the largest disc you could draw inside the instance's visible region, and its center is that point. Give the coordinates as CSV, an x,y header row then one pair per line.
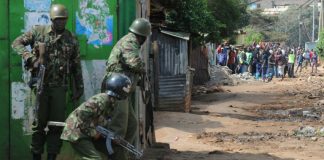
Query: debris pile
x,y
198,90
222,75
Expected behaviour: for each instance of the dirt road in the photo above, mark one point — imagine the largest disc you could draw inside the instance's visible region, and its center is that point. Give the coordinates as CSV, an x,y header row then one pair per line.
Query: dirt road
x,y
253,121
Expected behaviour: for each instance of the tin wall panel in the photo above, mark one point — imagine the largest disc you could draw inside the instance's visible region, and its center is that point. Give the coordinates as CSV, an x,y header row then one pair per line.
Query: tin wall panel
x,y
172,59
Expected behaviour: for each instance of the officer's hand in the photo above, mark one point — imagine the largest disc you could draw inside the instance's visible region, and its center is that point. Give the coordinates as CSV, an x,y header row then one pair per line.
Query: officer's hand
x,y
97,136
31,63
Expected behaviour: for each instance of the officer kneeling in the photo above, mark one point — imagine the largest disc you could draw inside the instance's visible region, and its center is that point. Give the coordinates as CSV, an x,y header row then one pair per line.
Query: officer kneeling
x,y
80,129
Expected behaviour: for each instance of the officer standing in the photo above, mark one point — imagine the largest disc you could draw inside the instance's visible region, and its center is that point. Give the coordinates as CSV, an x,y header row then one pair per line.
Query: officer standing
x,y
124,58
62,62
80,129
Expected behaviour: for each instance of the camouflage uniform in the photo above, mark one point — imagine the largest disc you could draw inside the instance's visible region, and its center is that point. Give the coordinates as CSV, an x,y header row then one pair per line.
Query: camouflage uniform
x,y
62,60
124,58
81,124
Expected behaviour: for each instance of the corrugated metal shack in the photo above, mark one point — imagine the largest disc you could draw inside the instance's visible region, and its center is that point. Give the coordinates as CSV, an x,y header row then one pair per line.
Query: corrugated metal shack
x,y
172,85
199,61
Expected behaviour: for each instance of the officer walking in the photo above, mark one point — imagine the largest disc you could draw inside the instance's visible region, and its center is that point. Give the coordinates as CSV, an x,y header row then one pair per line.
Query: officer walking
x,y
80,129
124,58
62,61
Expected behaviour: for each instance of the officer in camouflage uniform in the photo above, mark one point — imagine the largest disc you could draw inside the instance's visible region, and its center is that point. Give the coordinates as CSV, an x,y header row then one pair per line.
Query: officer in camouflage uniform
x,y
124,58
80,125
62,61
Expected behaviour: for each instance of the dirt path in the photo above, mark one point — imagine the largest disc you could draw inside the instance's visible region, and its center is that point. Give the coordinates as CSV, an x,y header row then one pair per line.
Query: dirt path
x,y
254,121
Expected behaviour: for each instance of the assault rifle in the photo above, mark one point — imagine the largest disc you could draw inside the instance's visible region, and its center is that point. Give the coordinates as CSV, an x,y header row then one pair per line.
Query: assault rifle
x,y
39,78
111,136
145,86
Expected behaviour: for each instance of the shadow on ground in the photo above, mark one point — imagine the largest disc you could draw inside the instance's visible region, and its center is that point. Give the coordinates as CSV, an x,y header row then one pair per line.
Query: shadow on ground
x,y
162,151
221,155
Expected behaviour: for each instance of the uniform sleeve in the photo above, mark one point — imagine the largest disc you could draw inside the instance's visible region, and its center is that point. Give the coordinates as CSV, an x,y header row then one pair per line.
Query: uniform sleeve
x,y
18,45
130,57
76,66
87,116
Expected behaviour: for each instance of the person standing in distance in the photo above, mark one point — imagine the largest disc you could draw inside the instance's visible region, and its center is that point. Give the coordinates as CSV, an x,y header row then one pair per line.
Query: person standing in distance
x,y
62,62
125,58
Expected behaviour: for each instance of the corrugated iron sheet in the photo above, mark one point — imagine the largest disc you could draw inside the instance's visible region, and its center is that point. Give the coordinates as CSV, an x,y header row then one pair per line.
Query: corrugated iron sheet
x,y
171,71
172,92
199,61
173,55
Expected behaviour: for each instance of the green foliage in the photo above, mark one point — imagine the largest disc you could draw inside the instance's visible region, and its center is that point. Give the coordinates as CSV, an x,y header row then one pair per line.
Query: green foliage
x,y
231,13
252,36
206,20
285,26
320,44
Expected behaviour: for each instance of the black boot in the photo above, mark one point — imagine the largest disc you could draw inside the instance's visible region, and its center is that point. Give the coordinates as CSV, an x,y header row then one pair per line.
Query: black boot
x,y
37,156
51,156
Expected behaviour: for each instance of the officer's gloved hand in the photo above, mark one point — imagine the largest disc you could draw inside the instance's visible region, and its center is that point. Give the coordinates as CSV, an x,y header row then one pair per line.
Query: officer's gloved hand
x,y
31,63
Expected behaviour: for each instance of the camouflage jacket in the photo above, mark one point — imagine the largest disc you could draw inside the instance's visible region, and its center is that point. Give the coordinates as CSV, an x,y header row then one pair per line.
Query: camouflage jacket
x,y
124,58
62,54
82,122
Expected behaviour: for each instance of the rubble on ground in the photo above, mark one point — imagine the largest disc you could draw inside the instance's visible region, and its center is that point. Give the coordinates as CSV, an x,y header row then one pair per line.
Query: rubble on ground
x,y
246,137
221,75
198,90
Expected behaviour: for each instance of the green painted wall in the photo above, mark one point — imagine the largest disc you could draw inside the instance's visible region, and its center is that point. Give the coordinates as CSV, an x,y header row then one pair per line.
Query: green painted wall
x,y
4,81
13,140
126,15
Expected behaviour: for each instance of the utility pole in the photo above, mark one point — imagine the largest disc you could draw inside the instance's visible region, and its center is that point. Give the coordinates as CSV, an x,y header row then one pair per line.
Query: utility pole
x,y
321,19
313,30
299,24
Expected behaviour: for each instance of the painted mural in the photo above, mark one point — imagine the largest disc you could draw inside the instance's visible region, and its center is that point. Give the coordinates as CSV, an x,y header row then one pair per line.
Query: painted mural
x,y
37,5
36,18
95,21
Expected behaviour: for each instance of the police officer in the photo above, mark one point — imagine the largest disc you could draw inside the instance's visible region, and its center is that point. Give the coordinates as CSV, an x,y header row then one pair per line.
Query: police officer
x,y
80,125
124,58
62,62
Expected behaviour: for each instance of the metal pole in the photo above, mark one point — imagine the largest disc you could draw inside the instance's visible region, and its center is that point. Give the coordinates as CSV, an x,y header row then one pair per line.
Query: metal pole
x,y
313,31
299,27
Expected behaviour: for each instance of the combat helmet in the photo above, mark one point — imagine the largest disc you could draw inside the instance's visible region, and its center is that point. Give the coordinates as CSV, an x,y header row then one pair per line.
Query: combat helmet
x,y
141,26
58,11
118,85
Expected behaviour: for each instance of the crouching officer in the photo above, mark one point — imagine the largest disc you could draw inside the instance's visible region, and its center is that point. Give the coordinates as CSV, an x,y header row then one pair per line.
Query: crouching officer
x,y
80,129
57,50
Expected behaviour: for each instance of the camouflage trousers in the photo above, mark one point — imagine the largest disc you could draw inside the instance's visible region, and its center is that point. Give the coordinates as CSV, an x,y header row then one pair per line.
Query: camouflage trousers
x,y
88,149
52,106
124,123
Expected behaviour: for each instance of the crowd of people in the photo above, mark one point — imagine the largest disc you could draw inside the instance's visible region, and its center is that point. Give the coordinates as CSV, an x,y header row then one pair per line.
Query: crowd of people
x,y
267,60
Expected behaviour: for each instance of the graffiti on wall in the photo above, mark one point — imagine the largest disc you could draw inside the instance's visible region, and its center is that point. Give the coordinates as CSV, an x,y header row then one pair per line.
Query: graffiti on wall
x,y
95,21
22,105
37,5
36,18
93,72
37,13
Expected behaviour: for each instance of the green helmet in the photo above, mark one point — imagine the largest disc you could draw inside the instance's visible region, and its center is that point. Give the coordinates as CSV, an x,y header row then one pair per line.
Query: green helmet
x,y
141,26
58,11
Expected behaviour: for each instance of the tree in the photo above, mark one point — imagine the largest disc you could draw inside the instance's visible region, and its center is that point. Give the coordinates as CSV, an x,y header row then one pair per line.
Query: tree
x,y
186,16
320,44
231,13
206,20
252,36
